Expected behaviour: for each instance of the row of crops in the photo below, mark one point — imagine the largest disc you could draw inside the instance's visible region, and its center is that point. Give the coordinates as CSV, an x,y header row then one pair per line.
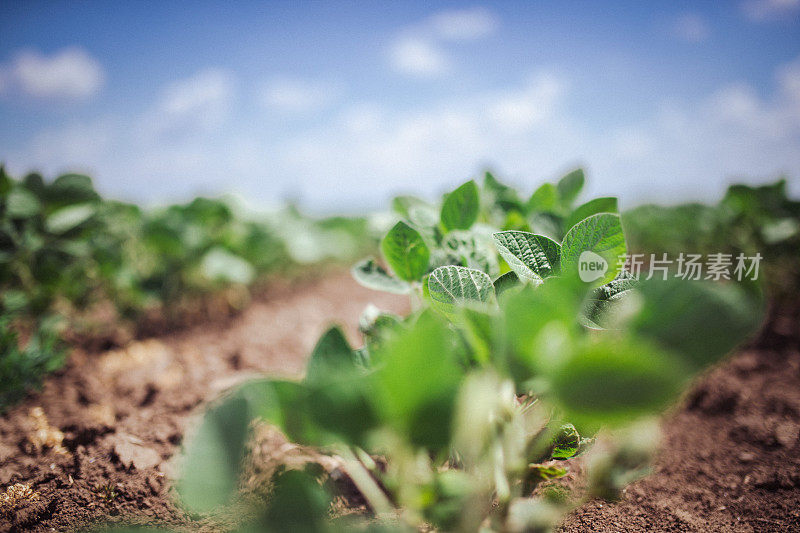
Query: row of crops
x,y
74,265
530,341
460,416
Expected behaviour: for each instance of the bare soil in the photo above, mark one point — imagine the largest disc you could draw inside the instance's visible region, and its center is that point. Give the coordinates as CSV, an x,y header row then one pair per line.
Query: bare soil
x,y
99,440
103,442
730,456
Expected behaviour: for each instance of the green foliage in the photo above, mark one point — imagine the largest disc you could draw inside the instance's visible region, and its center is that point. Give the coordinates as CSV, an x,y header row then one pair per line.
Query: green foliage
x,y
570,186
532,257
219,447
748,220
460,207
406,252
66,250
450,286
370,274
599,234
22,367
470,409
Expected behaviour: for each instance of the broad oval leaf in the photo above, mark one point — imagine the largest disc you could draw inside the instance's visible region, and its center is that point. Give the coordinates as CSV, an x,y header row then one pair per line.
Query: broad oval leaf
x,y
570,186
532,257
71,188
406,252
450,286
507,281
615,380
698,320
70,217
332,354
593,249
460,207
544,199
606,204
221,265
604,301
212,465
22,203
416,386
371,275
566,442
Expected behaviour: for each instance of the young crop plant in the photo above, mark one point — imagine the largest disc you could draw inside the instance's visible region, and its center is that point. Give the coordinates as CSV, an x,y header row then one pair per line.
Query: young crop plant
x,y
23,365
460,416
67,251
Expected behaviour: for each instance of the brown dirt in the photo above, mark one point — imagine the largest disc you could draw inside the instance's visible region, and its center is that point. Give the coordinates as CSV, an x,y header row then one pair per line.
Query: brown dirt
x,y
110,423
730,457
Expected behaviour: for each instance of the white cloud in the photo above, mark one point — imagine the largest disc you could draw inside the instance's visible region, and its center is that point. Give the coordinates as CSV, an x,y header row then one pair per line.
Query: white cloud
x,y
691,27
767,10
195,105
298,96
70,73
418,50
523,109
418,56
464,24
685,150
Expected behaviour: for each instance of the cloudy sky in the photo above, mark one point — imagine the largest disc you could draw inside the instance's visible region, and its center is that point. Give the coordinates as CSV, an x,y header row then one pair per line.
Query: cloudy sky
x,y
341,104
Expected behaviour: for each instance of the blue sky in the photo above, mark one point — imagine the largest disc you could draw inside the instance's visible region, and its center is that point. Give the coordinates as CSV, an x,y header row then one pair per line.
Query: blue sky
x,y
341,104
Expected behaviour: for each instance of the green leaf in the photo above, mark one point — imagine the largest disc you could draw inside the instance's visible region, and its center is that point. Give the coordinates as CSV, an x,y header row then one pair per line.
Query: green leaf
x,y
614,380
604,300
544,199
406,252
450,286
528,315
532,257
70,217
332,354
417,385
71,188
592,207
21,203
593,248
698,320
501,195
569,187
297,502
460,207
544,473
507,281
210,475
330,410
371,275
221,265
566,442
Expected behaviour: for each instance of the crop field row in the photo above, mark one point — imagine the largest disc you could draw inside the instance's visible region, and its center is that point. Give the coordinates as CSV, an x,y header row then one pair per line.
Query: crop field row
x,y
530,355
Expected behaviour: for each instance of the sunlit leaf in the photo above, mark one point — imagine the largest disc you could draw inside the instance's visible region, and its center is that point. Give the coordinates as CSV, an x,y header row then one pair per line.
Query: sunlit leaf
x,y
460,207
592,207
210,475
450,286
406,252
594,249
570,186
532,257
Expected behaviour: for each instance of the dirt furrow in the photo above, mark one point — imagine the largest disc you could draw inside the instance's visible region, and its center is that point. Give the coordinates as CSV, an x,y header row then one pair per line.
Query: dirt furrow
x,y
120,416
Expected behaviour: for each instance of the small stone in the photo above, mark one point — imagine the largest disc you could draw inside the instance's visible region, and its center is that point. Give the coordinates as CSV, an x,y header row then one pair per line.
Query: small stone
x,y
786,434
746,457
131,453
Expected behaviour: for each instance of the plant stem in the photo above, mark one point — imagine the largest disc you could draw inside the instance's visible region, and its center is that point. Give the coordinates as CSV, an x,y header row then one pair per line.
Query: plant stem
x,y
365,483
